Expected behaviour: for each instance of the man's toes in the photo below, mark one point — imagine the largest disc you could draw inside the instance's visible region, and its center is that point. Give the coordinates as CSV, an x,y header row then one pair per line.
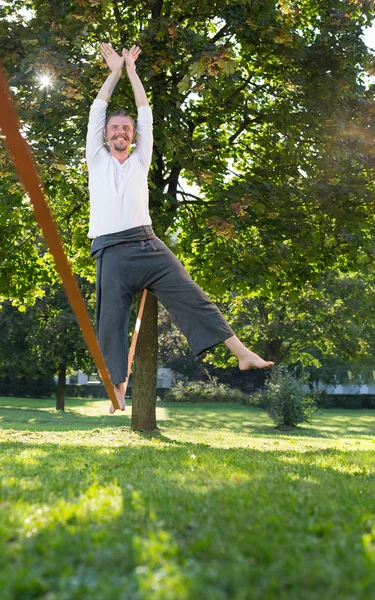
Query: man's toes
x,y
121,405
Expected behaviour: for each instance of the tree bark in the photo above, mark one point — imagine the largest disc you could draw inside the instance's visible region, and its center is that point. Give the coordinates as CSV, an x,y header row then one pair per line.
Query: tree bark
x,y
145,369
273,350
60,396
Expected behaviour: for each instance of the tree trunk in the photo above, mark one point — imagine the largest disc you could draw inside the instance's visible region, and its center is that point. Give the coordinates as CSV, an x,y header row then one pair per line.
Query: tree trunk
x,y
60,396
145,369
273,350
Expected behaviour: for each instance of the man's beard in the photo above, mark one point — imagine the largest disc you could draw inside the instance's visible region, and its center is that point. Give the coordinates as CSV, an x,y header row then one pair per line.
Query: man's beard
x,y
119,147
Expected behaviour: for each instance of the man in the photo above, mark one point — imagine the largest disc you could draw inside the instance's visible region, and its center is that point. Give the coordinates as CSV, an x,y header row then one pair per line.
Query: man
x,y
129,255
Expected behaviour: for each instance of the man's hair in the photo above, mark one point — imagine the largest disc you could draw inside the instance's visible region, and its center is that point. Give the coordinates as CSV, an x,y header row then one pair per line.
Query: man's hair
x,y
121,113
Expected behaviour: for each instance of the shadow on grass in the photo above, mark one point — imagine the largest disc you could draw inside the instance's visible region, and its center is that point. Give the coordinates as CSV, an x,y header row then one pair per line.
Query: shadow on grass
x,y
120,516
20,414
26,414
254,421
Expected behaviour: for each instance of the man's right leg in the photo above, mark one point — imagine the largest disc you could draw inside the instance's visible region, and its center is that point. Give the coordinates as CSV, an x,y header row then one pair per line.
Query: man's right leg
x,y
114,300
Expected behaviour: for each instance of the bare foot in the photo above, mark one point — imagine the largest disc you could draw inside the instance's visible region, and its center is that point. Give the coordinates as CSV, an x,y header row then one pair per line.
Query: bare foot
x,y
246,358
250,360
120,395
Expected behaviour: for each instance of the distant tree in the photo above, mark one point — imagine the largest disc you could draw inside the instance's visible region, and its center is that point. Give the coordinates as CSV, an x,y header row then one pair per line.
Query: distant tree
x,y
329,330
15,359
56,340
175,353
44,339
332,319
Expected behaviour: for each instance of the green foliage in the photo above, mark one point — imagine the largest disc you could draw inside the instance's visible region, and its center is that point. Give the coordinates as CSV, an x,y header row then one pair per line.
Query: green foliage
x,y
282,214
256,400
286,399
351,401
322,400
37,340
328,324
263,106
202,391
333,371
33,385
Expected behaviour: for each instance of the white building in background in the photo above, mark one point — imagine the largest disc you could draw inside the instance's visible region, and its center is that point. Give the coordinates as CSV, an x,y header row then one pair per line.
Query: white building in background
x,y
165,378
78,378
348,389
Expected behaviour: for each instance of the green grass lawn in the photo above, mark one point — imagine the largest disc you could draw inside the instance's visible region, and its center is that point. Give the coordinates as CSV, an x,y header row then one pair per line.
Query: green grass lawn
x,y
217,505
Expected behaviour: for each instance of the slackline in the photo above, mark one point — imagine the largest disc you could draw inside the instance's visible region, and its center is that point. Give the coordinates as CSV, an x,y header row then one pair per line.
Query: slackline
x,y
28,173
135,336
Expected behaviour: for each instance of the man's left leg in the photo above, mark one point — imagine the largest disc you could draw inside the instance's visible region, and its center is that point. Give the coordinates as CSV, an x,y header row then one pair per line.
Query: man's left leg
x,y
195,314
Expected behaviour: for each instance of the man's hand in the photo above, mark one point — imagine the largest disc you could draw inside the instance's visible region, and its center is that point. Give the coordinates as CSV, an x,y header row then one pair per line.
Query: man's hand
x,y
130,56
113,60
116,64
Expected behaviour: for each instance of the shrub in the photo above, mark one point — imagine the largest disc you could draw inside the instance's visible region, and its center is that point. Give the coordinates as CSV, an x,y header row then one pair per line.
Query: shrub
x,y
286,399
352,401
34,387
203,391
255,399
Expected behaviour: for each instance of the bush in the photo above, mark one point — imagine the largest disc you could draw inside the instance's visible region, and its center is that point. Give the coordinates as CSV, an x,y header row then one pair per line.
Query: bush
x,y
26,387
203,391
255,399
352,401
97,390
286,399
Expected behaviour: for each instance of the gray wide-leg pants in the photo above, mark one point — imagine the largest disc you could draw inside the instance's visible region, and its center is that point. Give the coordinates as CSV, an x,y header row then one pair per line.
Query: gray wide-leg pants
x,y
125,269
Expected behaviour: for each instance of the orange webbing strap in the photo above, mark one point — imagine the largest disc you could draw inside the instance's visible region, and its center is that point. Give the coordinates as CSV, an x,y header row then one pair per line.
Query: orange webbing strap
x,y
28,173
135,336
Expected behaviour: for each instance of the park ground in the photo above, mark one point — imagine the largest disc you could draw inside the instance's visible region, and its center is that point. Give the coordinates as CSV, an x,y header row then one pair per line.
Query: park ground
x,y
216,505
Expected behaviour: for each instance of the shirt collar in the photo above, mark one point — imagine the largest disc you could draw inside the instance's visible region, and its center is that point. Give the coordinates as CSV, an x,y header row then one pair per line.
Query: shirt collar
x,y
118,162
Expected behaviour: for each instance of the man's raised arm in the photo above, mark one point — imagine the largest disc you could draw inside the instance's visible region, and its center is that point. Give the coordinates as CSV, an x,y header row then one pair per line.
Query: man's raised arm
x,y
95,141
143,149
138,90
96,125
116,64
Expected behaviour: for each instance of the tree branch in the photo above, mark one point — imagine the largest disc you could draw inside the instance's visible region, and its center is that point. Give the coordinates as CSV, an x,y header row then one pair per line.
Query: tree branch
x,y
190,195
75,209
196,200
158,172
238,90
157,6
173,180
243,126
251,151
220,33
193,216
120,23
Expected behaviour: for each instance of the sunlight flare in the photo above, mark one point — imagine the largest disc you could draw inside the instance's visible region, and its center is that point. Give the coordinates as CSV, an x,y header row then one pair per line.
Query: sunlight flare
x,y
44,80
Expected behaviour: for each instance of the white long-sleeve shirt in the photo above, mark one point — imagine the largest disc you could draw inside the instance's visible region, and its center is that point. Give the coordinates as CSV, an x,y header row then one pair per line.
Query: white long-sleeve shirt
x,y
118,192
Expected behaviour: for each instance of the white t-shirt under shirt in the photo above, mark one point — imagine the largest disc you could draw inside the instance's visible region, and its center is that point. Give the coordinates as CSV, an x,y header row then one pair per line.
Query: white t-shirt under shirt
x,y
118,192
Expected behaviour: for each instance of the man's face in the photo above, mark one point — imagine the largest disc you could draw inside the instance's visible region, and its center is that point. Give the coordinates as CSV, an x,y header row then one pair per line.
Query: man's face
x,y
119,133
